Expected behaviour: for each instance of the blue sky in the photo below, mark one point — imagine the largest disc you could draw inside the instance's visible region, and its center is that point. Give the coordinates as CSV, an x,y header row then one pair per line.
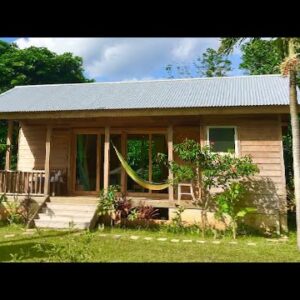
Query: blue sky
x,y
117,59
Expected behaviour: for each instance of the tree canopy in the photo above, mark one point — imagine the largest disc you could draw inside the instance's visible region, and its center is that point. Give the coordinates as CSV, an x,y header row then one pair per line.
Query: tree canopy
x,y
261,57
35,65
210,64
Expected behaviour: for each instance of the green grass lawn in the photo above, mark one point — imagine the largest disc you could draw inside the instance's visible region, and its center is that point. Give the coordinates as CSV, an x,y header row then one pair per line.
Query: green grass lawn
x,y
68,246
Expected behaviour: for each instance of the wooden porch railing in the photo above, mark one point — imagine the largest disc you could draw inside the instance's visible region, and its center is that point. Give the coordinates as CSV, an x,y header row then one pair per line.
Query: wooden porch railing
x,y
22,183
32,182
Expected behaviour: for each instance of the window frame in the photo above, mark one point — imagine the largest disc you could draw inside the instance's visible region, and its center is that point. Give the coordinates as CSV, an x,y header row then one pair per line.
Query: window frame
x,y
236,144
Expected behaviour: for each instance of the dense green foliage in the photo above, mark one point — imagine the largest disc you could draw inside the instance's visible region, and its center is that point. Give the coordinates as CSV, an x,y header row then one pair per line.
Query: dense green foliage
x,y
213,64
229,203
138,156
35,65
206,170
261,57
116,209
210,64
32,66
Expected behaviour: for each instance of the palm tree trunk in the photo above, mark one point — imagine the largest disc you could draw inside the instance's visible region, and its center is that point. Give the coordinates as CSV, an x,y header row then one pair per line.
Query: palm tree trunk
x,y
296,147
295,139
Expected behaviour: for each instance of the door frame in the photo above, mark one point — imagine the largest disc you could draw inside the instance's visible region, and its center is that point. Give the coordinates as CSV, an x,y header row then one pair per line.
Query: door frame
x,y
101,131
92,131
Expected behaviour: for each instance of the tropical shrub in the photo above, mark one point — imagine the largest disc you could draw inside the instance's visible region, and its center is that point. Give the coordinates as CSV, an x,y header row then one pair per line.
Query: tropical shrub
x,y
117,209
110,206
228,204
142,216
16,211
146,212
177,224
207,170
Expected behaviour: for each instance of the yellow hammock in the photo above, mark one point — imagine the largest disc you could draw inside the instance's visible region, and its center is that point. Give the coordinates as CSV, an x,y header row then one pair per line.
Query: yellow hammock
x,y
146,184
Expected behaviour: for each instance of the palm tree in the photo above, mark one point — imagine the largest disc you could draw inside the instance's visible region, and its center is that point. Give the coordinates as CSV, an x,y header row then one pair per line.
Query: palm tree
x,y
289,66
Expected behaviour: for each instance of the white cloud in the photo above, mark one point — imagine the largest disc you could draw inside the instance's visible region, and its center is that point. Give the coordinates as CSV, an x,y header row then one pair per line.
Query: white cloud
x,y
125,58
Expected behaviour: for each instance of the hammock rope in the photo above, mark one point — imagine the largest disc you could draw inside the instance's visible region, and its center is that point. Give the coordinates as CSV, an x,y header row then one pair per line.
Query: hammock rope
x,y
134,176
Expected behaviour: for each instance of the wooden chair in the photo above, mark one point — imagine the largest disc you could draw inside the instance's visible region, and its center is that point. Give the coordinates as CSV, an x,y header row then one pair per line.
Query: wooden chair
x,y
57,181
190,193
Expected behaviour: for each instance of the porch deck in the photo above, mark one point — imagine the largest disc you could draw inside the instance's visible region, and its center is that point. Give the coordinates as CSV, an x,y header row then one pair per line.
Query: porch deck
x,y
158,203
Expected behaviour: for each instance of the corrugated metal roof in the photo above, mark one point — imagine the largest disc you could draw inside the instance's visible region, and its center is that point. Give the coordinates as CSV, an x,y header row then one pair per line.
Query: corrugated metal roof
x,y
172,93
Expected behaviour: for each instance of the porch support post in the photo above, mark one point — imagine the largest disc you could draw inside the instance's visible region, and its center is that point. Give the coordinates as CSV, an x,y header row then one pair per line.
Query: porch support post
x,y
170,158
106,158
150,160
124,154
47,161
8,144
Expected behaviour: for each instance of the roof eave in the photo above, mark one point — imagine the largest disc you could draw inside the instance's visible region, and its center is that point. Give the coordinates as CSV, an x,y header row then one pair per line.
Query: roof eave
x,y
268,109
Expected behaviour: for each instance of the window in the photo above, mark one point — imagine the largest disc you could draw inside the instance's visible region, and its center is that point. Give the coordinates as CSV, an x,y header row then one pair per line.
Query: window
x,y
142,150
222,139
86,158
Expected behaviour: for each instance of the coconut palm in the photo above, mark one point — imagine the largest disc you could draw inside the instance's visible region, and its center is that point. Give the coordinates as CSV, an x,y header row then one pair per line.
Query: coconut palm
x,y
290,64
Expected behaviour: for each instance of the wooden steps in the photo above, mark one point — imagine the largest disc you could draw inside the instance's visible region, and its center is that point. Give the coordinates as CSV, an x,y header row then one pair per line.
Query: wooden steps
x,y
74,200
65,212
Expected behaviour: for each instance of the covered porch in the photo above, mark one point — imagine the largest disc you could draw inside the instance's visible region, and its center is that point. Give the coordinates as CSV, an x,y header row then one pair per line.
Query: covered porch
x,y
75,157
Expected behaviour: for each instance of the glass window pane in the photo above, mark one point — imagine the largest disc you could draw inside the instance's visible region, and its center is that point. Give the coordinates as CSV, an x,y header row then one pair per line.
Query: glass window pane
x,y
159,171
138,159
102,139
222,139
86,162
114,163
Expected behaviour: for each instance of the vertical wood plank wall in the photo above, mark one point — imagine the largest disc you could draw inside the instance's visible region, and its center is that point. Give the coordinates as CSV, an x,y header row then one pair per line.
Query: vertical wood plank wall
x,y
8,145
31,152
47,160
260,138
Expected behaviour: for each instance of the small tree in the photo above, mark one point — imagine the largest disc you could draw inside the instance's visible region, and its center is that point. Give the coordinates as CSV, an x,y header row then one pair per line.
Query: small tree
x,y
210,64
228,204
206,170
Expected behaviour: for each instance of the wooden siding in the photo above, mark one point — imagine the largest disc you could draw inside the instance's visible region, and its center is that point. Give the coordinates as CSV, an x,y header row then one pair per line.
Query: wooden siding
x,y
60,149
32,148
259,136
31,155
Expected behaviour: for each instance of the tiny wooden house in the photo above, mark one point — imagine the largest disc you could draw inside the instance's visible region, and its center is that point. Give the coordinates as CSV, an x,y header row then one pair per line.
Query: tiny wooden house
x,y
64,147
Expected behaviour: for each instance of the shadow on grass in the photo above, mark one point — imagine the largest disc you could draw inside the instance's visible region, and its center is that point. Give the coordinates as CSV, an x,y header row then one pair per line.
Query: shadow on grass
x,y
36,237
21,252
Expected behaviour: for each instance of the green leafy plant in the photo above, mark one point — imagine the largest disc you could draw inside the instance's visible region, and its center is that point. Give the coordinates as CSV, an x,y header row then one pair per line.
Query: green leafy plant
x,y
146,212
177,219
3,198
177,224
113,206
16,211
17,257
228,204
207,170
74,249
142,216
133,215
108,202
